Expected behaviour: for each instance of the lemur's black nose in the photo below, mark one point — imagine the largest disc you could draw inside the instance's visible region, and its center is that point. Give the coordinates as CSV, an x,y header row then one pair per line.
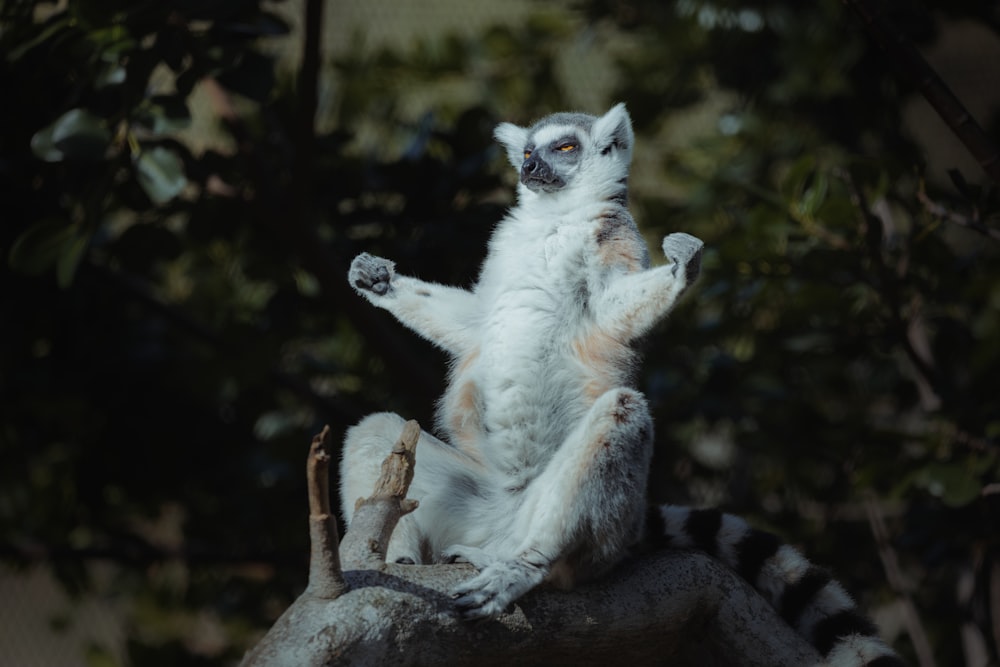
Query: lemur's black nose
x,y
536,168
531,165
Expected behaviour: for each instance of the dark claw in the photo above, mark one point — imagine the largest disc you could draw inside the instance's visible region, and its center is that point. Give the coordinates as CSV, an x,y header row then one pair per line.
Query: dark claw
x,y
469,607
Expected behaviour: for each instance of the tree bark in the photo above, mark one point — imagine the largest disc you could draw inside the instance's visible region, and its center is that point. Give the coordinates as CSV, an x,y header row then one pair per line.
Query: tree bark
x,y
678,606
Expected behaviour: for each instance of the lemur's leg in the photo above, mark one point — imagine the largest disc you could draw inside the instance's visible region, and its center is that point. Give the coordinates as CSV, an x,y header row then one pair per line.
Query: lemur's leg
x,y
590,496
441,484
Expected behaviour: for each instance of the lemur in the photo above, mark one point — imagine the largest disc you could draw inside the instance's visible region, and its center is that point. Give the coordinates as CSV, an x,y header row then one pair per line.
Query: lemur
x,y
541,473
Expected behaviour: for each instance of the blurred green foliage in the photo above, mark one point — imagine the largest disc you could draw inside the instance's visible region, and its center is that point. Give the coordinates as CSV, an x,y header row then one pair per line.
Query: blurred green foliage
x,y
175,323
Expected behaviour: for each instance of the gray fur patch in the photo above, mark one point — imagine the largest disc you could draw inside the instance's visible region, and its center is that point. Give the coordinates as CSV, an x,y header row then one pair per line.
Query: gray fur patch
x,y
577,119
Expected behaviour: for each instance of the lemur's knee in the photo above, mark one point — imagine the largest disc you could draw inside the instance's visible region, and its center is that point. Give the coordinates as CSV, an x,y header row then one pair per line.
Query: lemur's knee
x,y
625,411
365,447
621,439
375,433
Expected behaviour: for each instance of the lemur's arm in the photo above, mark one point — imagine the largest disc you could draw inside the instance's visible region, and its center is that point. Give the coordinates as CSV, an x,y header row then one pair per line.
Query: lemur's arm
x,y
633,303
443,315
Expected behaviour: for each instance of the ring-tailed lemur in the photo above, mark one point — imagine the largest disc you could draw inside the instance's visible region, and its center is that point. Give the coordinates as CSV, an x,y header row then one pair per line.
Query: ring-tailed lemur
x,y
542,473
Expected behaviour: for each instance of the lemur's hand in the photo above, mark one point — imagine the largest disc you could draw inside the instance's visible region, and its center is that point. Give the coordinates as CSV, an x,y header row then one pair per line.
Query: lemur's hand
x,y
371,274
684,251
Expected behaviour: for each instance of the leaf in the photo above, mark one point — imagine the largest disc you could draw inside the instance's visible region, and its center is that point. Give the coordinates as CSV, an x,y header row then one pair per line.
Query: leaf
x,y
112,43
798,174
815,194
75,135
111,75
73,251
57,24
45,244
953,483
43,147
161,174
80,134
163,114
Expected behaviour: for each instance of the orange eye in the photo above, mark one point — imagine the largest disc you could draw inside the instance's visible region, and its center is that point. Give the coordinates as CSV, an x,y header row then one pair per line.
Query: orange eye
x,y
566,148
527,154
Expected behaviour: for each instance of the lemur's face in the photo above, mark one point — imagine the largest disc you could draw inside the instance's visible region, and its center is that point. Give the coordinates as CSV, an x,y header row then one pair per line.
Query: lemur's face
x,y
549,163
570,150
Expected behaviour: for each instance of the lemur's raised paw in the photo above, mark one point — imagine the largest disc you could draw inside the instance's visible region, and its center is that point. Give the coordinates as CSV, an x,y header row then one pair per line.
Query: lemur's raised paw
x,y
684,251
371,273
491,591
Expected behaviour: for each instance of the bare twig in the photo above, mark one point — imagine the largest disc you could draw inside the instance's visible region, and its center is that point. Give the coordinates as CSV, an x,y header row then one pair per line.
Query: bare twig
x,y
375,517
894,575
913,66
307,83
994,603
904,331
326,579
944,213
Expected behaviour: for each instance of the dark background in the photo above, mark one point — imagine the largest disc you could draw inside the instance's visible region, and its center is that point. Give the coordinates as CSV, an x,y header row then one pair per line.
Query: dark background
x,y
182,186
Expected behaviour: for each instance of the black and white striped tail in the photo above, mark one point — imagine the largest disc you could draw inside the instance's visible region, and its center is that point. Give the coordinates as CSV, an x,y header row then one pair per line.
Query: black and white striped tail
x,y
809,600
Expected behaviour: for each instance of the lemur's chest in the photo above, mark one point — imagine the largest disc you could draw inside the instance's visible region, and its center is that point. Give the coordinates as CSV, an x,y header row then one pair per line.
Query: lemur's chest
x,y
539,352
537,293
539,306
542,270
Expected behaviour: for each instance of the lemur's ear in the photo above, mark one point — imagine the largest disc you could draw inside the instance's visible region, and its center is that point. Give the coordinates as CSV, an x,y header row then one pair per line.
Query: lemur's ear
x,y
613,130
513,139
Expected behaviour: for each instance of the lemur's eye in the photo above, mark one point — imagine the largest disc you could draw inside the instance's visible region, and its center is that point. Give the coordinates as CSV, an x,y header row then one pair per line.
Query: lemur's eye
x,y
527,154
567,147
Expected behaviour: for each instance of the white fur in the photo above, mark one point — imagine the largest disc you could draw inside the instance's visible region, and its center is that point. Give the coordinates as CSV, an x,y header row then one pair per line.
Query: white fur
x,y
733,529
857,650
674,519
542,470
786,566
832,599
513,138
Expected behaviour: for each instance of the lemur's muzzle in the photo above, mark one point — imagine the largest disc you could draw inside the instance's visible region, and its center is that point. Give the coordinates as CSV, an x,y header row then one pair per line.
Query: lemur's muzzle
x,y
538,175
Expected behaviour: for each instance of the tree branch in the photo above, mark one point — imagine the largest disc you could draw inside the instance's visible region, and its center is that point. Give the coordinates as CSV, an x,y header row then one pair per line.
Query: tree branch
x,y
683,606
326,580
913,66
375,517
680,606
888,285
894,575
307,82
943,213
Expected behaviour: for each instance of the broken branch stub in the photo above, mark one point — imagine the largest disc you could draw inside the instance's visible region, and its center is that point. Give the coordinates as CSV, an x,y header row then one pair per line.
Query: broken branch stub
x,y
326,578
375,517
